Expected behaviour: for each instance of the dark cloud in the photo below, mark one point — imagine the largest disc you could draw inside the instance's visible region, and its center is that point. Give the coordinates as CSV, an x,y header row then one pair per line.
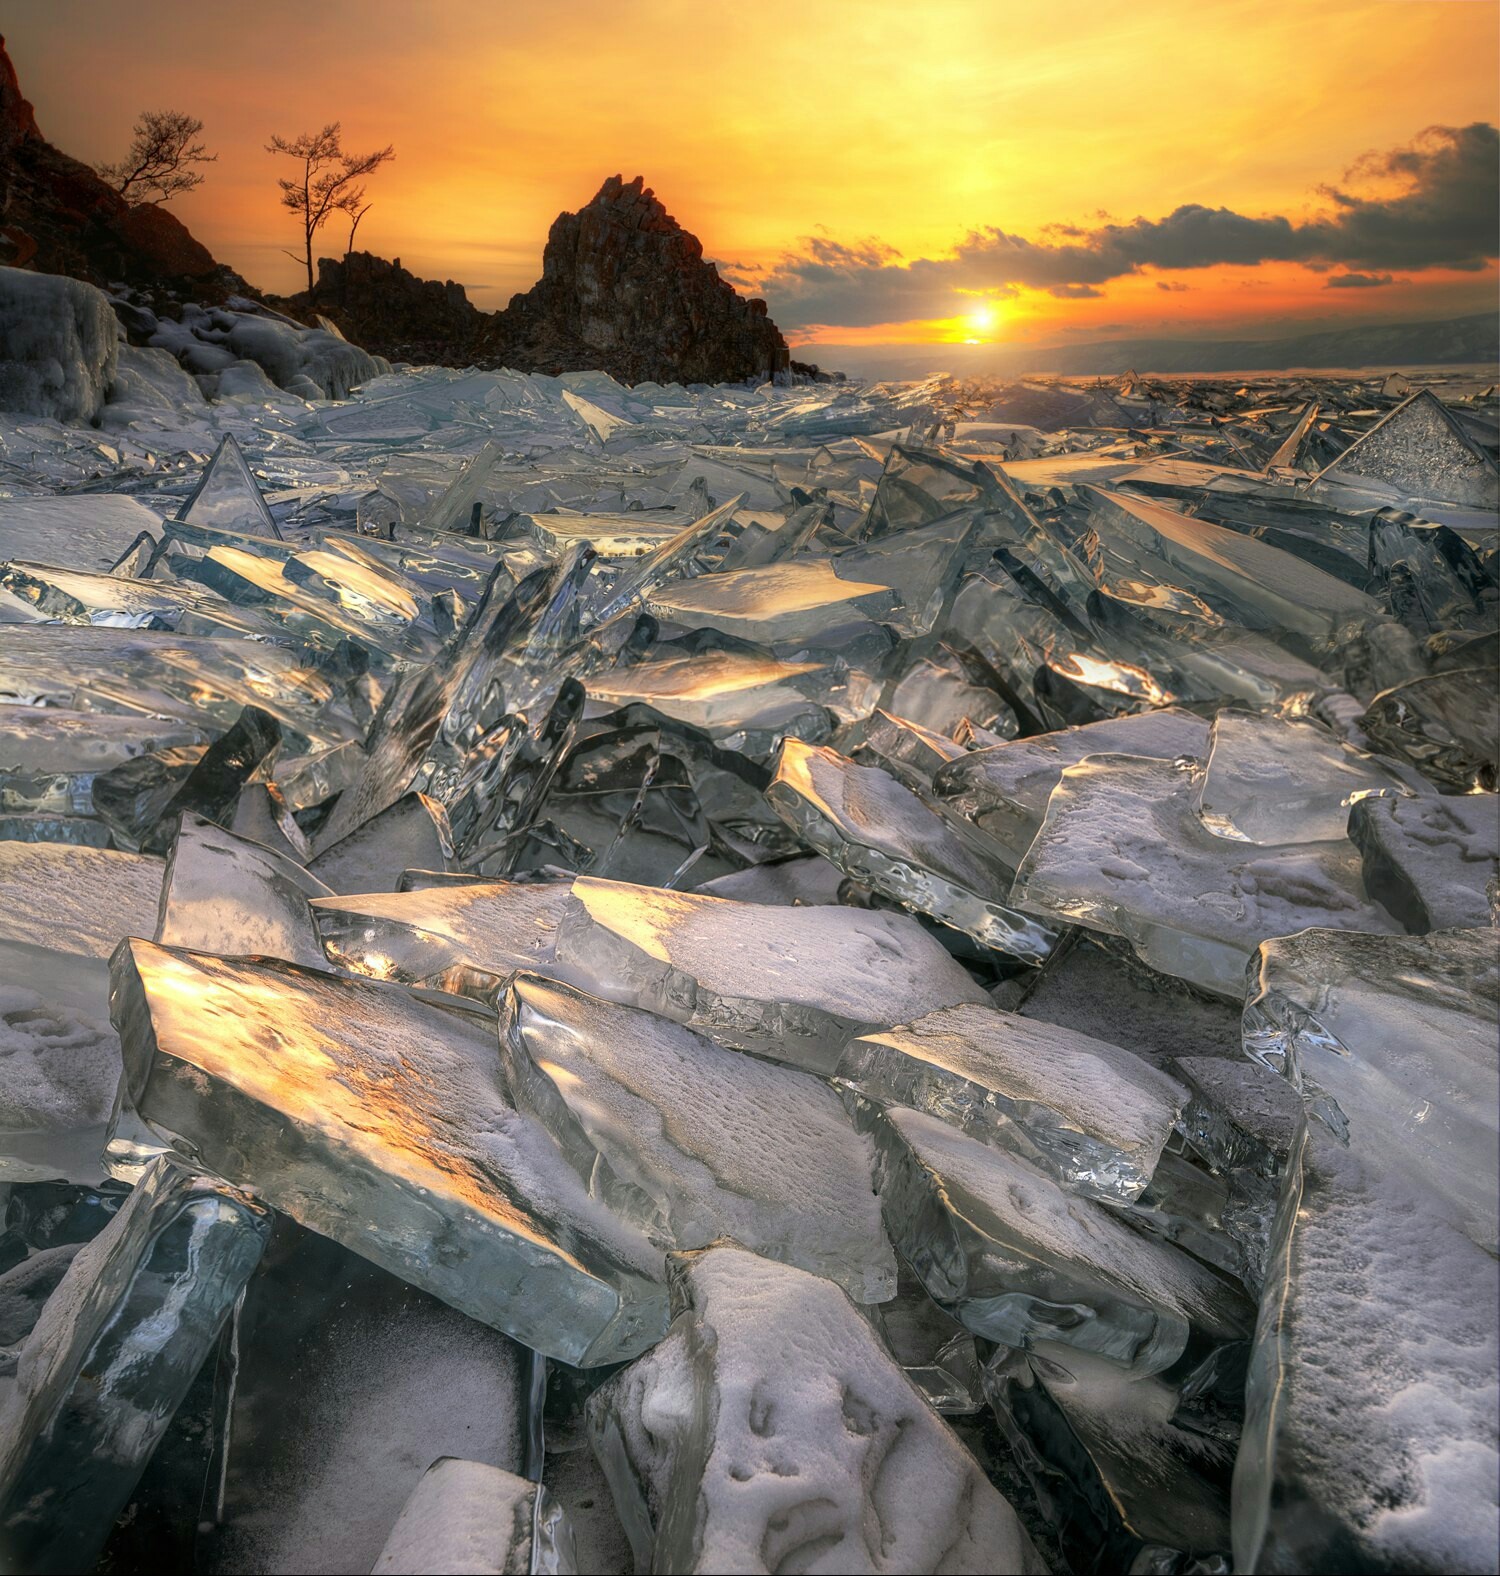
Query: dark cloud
x,y
1357,281
1074,292
1443,213
1175,285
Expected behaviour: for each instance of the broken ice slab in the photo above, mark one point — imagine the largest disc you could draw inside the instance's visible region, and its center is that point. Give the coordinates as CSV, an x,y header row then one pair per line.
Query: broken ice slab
x,y
63,910
1158,557
1091,1115
88,531
1371,1416
1123,851
800,880
878,831
1378,1308
72,596
771,1431
1123,1481
800,599
631,535
113,1354
1004,790
1434,581
1432,861
1242,1120
227,498
1016,1258
789,983
194,679
1392,1039
404,1146
466,1516
1420,452
693,1142
1445,724
411,834
50,756
348,1384
226,894
718,691
464,938
1289,780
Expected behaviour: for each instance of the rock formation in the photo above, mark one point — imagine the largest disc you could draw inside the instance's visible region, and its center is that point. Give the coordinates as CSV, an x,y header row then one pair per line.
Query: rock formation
x,y
58,217
386,308
624,287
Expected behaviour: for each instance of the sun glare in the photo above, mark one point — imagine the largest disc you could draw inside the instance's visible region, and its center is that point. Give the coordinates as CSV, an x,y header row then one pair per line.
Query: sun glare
x,y
981,321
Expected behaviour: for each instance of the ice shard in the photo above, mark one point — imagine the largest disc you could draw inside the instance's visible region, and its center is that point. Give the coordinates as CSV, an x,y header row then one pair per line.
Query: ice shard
x,y
226,497
1123,851
1123,1479
466,1516
771,1431
789,983
1093,1116
405,1147
410,834
1370,1436
1016,1258
784,602
1289,780
112,1355
226,894
1445,724
879,832
1420,452
693,1142
456,938
1433,862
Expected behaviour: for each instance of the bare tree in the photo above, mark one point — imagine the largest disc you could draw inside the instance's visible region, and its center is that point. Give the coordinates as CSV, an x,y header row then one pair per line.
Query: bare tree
x,y
355,215
330,183
162,151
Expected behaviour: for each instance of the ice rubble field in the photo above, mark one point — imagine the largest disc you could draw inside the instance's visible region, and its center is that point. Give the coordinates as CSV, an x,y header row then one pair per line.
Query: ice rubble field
x,y
885,978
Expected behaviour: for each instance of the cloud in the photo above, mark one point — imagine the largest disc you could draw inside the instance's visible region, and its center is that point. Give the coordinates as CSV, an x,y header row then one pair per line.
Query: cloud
x,y
1439,209
1357,281
1175,285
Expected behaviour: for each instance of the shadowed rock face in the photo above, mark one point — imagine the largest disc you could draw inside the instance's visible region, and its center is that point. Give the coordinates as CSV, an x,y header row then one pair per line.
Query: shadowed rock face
x,y
58,217
625,287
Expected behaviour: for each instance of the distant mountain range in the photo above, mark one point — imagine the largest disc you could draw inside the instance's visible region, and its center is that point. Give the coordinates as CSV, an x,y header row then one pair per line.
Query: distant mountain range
x,y
1459,340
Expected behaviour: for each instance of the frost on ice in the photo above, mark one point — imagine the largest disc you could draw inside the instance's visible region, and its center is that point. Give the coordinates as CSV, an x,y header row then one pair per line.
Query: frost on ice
x,y
650,978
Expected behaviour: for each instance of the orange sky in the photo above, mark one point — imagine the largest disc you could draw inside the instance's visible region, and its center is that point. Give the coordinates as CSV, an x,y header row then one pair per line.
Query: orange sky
x,y
764,124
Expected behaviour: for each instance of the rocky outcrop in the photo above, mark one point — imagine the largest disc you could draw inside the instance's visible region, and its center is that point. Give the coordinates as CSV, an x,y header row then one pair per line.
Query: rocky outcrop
x,y
386,308
625,288
58,217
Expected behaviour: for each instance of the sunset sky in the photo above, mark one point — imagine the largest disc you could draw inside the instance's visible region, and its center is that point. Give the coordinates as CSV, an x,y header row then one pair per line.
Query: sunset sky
x,y
881,172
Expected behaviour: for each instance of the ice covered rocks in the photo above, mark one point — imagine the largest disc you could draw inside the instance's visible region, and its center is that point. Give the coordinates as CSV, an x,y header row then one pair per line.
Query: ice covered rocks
x,y
112,1355
878,831
60,340
378,1119
1091,1115
789,983
1016,1258
1124,851
1433,862
693,1142
772,1431
467,1517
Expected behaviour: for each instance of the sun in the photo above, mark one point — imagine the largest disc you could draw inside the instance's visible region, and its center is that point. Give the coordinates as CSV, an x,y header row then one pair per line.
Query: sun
x,y
981,321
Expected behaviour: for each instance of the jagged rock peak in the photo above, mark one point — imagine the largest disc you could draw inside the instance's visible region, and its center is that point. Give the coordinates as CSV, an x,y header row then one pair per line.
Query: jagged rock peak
x,y
624,287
